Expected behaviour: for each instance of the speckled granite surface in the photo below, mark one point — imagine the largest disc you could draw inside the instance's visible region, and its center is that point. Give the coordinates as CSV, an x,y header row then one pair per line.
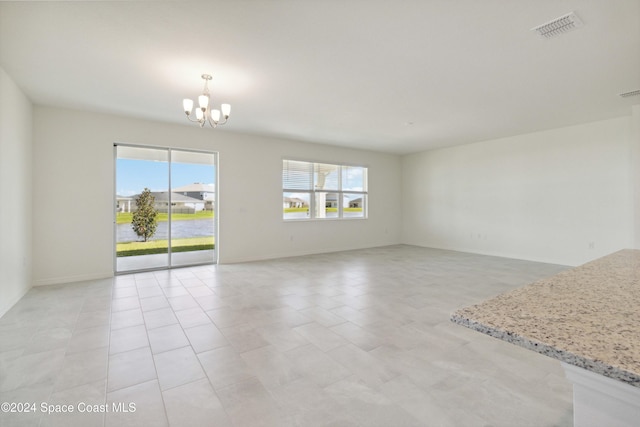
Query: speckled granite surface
x,y
588,316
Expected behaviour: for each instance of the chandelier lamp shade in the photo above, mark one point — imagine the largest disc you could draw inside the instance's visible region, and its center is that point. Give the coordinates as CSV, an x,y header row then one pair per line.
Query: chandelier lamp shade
x,y
204,112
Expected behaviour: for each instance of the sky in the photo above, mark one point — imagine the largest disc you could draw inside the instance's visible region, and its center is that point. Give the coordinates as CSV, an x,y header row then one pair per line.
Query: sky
x,y
132,176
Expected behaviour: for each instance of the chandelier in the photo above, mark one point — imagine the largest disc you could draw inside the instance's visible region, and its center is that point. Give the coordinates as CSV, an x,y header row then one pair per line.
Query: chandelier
x,y
204,113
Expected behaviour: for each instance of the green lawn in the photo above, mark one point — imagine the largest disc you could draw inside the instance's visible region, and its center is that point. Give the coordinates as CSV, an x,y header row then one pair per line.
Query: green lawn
x,y
161,246
291,210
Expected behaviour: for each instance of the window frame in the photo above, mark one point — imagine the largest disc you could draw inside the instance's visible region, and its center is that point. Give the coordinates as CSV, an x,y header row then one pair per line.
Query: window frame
x,y
313,192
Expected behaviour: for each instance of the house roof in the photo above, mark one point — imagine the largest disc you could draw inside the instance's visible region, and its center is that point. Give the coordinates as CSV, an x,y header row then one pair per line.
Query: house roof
x,y
163,196
196,187
293,199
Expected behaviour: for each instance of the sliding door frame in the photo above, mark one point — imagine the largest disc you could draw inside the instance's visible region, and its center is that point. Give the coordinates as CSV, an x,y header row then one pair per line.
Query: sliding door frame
x,y
216,203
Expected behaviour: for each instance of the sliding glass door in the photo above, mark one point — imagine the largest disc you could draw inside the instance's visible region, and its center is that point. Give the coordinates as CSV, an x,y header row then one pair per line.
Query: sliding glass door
x,y
165,208
193,198
142,176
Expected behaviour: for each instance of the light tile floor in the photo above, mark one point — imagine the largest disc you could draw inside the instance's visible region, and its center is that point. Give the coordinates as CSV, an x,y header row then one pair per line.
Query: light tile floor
x,y
358,338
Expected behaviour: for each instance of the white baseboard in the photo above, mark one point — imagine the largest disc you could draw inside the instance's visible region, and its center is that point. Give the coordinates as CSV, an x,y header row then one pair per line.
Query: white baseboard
x,y
7,305
296,253
72,279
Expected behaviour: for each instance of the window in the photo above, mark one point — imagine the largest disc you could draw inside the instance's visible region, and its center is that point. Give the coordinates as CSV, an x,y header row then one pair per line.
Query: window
x,y
323,191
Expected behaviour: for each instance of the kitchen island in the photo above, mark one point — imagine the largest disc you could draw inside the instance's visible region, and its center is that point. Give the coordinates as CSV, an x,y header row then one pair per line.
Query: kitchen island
x,y
587,317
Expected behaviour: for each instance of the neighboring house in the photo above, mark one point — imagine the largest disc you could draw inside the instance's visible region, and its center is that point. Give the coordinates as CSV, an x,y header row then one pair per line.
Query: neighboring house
x,y
124,203
293,202
186,199
331,200
179,203
197,190
356,203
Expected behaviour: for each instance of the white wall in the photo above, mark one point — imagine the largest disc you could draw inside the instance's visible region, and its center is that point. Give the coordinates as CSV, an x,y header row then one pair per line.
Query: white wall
x,y
635,167
564,196
15,193
561,196
74,181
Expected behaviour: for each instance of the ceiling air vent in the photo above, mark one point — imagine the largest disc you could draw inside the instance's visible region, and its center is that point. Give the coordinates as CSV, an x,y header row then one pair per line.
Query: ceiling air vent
x,y
559,26
632,93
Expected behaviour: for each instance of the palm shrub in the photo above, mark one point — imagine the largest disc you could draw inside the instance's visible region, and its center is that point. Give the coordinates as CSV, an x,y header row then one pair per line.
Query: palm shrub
x,y
144,221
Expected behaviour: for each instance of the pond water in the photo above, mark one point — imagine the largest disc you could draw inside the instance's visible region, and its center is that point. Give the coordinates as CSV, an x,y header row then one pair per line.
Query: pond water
x,y
179,229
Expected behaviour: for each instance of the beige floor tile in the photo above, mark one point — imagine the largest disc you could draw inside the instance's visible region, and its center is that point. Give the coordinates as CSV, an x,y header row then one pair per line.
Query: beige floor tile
x,y
35,393
363,365
320,336
281,336
339,339
154,303
160,317
49,339
315,365
182,302
126,318
224,367
177,367
167,338
200,291
150,291
83,399
356,316
358,336
191,317
126,303
143,404
248,403
30,369
195,404
175,290
205,337
126,339
82,368
130,368
323,316
309,405
88,339
92,319
122,292
368,406
270,366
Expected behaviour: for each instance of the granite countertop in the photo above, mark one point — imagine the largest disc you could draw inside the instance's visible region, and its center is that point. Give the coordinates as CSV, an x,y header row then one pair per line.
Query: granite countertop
x,y
588,316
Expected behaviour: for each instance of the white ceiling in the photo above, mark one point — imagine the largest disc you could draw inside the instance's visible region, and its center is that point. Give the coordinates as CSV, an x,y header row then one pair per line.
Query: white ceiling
x,y
396,76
